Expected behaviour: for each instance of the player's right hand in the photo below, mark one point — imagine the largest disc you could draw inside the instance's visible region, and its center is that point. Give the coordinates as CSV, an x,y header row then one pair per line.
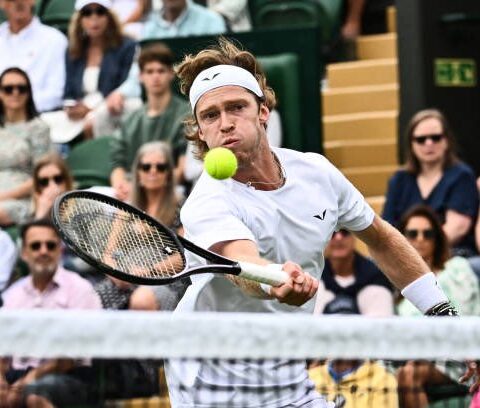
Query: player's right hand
x,y
300,288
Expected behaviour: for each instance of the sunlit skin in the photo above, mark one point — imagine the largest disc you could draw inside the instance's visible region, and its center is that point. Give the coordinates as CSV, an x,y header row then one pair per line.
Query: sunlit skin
x,y
15,103
430,153
425,247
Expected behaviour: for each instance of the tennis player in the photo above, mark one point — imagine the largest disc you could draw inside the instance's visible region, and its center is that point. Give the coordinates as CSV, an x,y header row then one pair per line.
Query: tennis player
x,y
280,209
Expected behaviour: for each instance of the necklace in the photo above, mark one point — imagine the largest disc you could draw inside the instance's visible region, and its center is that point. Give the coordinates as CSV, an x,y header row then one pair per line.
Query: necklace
x,y
281,176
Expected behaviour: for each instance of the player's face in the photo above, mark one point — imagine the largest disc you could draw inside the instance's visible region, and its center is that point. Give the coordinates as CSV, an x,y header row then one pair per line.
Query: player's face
x,y
152,171
156,78
419,233
427,146
341,246
230,117
41,251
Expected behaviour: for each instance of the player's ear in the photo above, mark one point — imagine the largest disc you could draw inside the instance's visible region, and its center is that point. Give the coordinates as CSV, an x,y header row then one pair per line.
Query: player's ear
x,y
201,136
263,114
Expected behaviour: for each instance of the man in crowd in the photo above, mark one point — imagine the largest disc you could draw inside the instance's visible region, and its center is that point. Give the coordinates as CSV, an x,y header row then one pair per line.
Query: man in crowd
x,y
45,383
36,48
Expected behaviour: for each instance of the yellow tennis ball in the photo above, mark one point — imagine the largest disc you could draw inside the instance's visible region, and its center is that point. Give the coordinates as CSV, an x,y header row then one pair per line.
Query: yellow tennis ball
x,y
220,163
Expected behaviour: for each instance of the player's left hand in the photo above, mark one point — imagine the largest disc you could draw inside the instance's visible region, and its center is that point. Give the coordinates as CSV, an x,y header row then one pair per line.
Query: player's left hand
x,y
300,288
472,371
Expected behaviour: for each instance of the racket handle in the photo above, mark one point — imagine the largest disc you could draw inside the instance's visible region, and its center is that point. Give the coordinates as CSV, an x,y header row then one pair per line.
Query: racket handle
x,y
271,274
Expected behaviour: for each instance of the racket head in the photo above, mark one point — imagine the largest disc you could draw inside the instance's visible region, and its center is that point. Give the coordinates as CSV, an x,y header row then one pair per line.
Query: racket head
x,y
118,239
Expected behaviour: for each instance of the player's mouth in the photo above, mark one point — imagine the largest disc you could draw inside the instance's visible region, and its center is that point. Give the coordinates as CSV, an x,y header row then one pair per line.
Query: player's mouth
x,y
229,143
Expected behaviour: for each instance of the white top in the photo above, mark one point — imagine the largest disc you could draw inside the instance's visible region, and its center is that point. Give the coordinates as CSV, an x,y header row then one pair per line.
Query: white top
x,y
90,79
8,257
40,51
294,222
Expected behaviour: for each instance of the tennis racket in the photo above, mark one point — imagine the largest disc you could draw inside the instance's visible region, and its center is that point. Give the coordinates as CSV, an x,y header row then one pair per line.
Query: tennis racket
x,y
126,243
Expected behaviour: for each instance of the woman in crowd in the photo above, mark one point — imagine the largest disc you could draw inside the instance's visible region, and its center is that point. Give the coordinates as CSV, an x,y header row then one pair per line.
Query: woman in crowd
x,y
436,177
421,227
51,177
23,139
97,62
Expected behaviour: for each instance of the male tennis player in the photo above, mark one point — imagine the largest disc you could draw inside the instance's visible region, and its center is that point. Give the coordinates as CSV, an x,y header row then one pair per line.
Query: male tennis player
x,y
281,207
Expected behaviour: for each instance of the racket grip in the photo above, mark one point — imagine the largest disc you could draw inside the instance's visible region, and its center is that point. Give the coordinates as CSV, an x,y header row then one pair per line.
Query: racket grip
x,y
271,274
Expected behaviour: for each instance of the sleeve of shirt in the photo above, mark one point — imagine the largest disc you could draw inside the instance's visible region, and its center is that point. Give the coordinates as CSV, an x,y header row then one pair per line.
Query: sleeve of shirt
x,y
464,195
126,59
52,90
354,213
131,86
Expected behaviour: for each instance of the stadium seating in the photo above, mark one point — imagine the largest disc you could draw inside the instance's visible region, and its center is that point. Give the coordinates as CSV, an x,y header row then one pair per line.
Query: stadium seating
x,y
57,13
2,16
90,163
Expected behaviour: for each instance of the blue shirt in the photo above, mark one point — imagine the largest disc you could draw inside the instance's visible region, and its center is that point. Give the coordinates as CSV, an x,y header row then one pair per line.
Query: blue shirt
x,y
456,191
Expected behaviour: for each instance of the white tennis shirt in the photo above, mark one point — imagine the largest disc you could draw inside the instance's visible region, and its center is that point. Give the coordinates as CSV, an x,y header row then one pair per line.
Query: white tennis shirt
x,y
294,222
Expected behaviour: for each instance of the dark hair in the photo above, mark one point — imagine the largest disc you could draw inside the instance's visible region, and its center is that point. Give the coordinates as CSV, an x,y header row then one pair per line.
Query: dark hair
x,y
412,164
157,52
41,222
31,110
441,250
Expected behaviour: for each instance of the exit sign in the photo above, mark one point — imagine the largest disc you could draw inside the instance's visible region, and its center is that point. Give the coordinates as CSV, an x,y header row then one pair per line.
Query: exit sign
x,y
455,72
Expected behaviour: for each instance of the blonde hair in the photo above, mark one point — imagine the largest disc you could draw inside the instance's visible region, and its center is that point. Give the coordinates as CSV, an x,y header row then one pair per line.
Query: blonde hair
x,y
223,53
167,212
78,41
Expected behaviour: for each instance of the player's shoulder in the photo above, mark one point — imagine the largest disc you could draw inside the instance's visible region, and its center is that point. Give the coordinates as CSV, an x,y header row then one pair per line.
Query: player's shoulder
x,y
295,157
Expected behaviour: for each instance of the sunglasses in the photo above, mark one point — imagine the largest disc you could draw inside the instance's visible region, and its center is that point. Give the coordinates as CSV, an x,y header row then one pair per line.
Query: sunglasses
x,y
342,233
414,233
36,245
9,89
45,181
160,167
89,11
423,139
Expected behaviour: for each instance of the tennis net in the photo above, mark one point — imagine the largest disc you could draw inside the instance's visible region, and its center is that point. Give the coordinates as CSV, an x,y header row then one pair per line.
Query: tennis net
x,y
248,360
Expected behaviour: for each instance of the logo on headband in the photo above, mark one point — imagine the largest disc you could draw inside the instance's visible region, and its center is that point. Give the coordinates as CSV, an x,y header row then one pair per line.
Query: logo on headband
x,y
213,77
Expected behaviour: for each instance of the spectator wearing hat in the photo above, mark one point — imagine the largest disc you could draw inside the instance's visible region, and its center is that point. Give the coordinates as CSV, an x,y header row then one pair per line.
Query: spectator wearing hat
x,y
37,49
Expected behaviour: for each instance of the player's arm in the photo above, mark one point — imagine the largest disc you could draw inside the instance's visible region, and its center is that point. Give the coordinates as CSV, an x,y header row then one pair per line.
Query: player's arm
x,y
402,264
300,287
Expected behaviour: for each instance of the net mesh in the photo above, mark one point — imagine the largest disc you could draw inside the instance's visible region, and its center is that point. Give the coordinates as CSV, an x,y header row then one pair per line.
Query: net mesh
x,y
249,360
119,239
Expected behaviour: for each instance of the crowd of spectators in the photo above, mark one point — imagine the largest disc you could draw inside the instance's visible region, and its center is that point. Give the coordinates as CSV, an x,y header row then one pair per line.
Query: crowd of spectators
x,y
91,85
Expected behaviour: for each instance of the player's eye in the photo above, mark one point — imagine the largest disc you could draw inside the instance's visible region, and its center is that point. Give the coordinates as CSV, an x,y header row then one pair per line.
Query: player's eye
x,y
209,115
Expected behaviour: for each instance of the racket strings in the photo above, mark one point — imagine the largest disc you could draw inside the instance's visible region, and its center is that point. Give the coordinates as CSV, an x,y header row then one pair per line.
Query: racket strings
x,y
120,239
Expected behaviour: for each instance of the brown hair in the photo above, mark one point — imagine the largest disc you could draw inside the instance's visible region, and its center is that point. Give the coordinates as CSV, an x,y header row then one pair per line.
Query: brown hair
x,y
78,41
55,159
157,52
412,164
441,250
168,210
223,53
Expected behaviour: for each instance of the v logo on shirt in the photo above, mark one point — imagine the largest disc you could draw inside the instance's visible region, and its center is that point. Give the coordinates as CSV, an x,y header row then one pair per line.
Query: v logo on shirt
x,y
321,217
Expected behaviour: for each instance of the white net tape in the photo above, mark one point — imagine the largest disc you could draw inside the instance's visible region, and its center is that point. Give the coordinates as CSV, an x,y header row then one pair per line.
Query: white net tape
x,y
106,334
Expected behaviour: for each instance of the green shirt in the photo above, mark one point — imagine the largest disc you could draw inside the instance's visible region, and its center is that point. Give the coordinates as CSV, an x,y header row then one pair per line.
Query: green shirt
x,y
139,128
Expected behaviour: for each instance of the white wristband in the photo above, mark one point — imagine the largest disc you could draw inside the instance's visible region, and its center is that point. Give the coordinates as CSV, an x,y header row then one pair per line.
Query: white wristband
x,y
424,292
265,286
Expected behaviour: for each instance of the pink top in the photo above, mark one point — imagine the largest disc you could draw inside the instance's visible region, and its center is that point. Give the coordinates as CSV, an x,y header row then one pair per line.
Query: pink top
x,y
67,290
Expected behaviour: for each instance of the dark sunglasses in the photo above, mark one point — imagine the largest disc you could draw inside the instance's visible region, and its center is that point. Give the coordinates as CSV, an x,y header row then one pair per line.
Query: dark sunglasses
x,y
9,89
160,167
342,233
45,181
89,11
423,139
36,245
414,233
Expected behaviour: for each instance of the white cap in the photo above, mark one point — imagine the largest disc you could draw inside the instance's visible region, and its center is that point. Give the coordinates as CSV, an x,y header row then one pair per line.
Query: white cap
x,y
222,75
79,4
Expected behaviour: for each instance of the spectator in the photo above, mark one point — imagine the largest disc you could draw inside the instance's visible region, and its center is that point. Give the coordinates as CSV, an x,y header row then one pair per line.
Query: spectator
x,y
45,383
97,62
132,13
436,177
161,118
51,177
234,12
424,231
8,258
352,278
37,49
175,18
353,383
23,138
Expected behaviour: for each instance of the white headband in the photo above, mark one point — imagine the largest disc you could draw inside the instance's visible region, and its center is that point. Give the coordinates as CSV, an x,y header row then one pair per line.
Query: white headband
x,y
222,75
